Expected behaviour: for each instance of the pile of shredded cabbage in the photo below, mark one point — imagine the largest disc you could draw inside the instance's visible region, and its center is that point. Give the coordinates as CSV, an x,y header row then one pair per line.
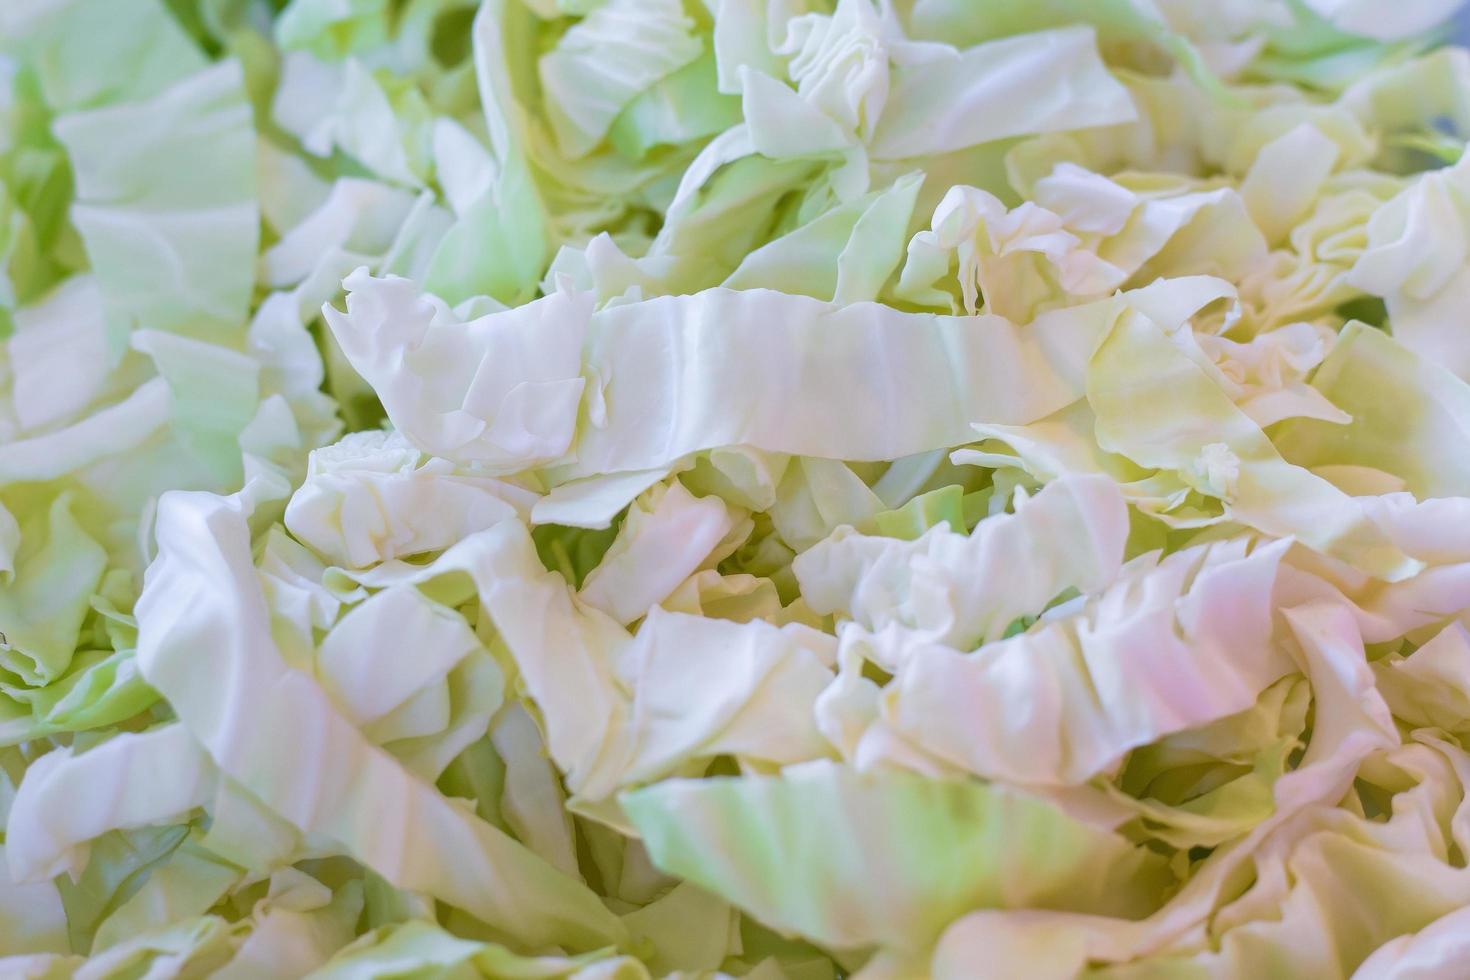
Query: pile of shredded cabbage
x,y
617,489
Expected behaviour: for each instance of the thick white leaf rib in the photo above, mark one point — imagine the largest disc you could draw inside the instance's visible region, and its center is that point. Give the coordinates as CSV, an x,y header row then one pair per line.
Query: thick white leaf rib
x,y
675,375
791,374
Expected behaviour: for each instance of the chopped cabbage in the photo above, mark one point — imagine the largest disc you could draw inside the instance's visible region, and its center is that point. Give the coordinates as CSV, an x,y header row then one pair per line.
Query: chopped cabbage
x,y
701,489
